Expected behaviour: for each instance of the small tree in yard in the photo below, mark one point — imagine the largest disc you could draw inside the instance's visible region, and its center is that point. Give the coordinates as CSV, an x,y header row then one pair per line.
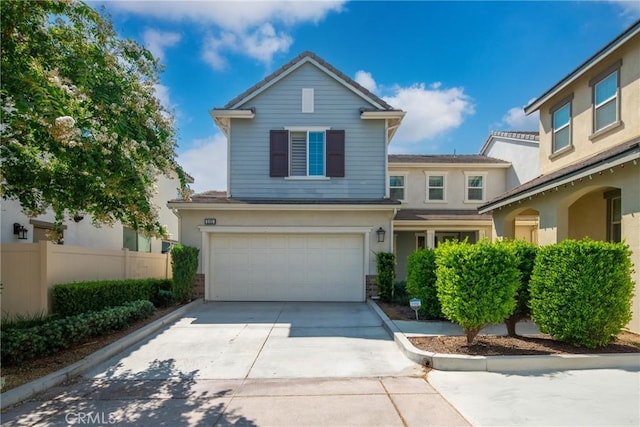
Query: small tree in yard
x,y
386,263
526,254
421,282
81,128
184,265
476,283
581,291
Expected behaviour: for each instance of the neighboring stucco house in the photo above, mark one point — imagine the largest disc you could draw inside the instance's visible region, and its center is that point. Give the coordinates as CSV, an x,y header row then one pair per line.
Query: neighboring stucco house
x,y
307,203
589,153
79,231
519,148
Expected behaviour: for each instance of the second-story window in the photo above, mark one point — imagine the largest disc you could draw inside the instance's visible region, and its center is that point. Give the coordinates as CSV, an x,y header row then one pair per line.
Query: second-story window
x,y
474,191
435,187
307,154
605,101
396,187
562,127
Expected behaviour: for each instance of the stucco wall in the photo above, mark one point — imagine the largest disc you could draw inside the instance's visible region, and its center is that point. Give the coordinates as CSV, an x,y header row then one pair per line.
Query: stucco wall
x,y
582,111
520,154
416,185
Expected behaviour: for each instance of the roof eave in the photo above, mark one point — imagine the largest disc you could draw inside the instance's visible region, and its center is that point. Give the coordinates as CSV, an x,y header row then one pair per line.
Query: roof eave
x,y
505,165
584,67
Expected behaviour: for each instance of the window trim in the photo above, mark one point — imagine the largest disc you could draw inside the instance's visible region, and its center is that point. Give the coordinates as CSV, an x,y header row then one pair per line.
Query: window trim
x,y
443,174
595,81
610,197
404,175
568,100
467,174
308,130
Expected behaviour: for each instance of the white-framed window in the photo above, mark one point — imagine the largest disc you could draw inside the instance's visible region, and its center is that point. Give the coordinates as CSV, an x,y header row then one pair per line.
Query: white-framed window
x,y
475,183
606,101
421,241
436,186
397,186
561,122
135,241
614,215
307,153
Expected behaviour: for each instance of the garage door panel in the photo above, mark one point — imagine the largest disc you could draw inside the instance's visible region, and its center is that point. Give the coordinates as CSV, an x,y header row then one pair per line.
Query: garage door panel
x,y
295,267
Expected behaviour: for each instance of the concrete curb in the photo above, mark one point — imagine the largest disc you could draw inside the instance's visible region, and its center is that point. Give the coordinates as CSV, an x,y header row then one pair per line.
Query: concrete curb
x,y
28,390
460,362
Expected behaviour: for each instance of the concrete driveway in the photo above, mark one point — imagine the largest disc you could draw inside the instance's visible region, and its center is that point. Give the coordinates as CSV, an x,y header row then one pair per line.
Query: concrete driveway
x,y
265,340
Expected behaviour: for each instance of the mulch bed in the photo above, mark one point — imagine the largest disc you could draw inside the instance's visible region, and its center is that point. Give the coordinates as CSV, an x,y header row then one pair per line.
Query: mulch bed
x,y
489,345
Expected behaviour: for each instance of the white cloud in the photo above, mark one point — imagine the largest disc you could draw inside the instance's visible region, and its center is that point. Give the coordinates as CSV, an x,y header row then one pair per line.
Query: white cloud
x,y
431,111
255,29
206,161
365,79
157,41
515,119
261,44
162,94
630,8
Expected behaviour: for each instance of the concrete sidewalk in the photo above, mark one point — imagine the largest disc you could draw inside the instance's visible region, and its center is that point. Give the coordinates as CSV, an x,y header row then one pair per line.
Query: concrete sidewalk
x,y
388,401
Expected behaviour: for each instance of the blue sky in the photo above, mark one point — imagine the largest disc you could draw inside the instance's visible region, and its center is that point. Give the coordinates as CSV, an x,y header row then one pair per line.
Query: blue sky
x,y
459,69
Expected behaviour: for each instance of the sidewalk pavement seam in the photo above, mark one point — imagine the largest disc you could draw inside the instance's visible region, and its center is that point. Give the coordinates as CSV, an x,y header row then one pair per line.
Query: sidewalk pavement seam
x,y
25,391
393,403
461,362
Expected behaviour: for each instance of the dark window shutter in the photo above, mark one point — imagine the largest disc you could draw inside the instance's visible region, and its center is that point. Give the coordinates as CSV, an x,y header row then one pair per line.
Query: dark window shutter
x,y
279,153
335,153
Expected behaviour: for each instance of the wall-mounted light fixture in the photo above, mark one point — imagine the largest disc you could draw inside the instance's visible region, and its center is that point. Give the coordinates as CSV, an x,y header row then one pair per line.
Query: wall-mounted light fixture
x,y
209,221
78,217
20,231
380,232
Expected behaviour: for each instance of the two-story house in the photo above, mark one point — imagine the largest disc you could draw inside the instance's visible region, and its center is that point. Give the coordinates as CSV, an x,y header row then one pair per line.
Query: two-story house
x,y
589,153
307,203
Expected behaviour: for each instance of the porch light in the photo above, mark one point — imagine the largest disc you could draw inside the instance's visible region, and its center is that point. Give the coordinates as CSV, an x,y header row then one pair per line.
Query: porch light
x,y
380,232
20,231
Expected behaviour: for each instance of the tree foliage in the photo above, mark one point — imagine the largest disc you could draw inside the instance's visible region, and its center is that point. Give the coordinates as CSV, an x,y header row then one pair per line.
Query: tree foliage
x,y
386,263
421,282
81,128
476,284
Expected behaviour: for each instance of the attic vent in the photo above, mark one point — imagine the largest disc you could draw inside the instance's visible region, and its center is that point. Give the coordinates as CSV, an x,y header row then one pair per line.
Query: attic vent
x,y
307,100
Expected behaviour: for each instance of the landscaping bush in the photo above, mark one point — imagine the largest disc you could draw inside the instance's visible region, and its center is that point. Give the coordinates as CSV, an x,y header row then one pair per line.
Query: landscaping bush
x,y
400,295
476,283
421,282
184,264
526,254
386,262
75,298
19,344
581,291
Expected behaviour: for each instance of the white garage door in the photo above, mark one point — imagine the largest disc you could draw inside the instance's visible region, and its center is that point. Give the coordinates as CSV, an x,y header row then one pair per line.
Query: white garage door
x,y
286,267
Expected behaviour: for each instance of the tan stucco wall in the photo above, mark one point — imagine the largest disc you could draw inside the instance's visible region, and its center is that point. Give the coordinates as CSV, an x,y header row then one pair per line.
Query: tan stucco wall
x,y
416,185
582,111
572,212
191,220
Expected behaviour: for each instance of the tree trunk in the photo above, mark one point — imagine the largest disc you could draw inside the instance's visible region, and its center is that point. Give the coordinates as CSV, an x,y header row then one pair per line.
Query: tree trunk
x,y
511,325
471,334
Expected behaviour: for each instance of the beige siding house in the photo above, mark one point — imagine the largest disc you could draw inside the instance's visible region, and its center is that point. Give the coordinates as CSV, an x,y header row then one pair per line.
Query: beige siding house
x,y
589,153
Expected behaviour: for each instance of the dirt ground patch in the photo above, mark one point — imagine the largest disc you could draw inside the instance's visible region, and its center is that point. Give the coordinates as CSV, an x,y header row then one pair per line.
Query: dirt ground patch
x,y
33,369
488,345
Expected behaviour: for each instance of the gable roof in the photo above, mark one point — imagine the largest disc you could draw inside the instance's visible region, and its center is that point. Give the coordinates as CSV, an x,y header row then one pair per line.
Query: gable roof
x,y
294,64
445,159
595,59
532,137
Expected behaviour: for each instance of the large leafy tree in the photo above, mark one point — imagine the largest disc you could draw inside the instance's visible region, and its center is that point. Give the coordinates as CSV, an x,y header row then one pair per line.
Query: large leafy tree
x,y
81,129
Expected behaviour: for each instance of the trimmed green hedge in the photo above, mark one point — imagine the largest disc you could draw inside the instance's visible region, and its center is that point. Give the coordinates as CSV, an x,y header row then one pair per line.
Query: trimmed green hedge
x,y
74,298
184,264
581,291
526,253
476,283
421,282
20,344
386,263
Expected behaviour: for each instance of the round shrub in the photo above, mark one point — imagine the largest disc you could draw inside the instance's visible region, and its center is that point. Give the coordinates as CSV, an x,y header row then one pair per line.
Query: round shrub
x,y
581,291
421,282
476,283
